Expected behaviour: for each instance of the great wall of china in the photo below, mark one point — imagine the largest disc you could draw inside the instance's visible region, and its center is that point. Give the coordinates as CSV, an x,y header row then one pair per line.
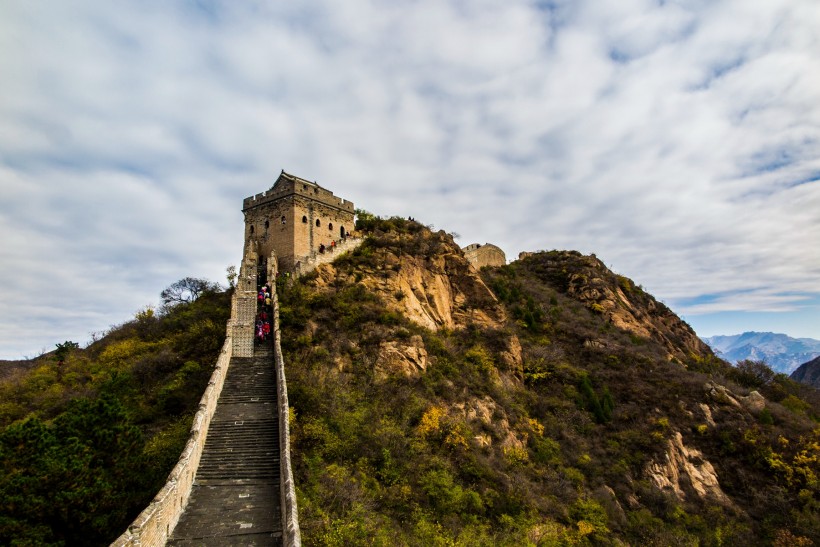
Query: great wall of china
x,y
233,483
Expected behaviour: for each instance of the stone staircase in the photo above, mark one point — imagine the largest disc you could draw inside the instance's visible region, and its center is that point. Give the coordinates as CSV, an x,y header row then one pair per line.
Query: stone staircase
x,y
235,499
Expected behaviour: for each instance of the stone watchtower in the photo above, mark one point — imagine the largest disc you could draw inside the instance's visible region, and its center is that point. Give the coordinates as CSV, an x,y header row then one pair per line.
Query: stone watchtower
x,y
484,255
293,220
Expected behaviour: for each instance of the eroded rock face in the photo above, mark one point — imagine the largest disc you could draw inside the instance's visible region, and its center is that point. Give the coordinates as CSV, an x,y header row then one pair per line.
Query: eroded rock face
x,y
722,395
684,471
437,292
512,356
707,414
476,409
486,411
401,358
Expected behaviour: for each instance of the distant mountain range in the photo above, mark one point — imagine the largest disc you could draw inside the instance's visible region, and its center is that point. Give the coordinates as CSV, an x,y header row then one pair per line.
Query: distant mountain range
x,y
781,352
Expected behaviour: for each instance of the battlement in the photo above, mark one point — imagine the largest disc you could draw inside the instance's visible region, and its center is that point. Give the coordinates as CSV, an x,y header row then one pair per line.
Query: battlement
x,y
290,185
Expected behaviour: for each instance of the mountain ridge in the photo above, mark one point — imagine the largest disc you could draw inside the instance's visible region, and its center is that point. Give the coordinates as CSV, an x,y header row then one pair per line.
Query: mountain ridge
x,y
781,352
549,401
588,413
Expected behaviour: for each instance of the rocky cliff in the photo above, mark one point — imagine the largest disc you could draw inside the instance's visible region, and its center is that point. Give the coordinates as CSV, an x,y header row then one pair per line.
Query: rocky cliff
x,y
618,299
434,289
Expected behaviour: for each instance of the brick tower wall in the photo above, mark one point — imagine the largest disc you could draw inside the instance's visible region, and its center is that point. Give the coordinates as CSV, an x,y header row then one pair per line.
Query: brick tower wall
x,y
285,219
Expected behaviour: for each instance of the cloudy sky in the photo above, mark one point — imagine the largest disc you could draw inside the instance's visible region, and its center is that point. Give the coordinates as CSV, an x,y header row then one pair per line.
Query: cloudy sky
x,y
679,141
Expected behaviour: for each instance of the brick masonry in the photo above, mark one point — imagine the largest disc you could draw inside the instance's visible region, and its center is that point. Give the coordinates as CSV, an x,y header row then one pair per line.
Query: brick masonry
x,y
293,219
484,255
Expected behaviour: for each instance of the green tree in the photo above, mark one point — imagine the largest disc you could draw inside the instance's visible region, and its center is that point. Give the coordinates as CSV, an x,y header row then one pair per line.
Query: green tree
x,y
231,275
186,290
64,350
71,481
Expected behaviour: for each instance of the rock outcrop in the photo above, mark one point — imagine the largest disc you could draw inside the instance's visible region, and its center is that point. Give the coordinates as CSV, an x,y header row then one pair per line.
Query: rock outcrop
x,y
683,471
616,297
397,357
437,292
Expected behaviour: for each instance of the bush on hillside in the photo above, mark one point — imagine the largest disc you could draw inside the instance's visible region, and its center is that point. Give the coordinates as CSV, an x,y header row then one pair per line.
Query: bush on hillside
x,y
86,444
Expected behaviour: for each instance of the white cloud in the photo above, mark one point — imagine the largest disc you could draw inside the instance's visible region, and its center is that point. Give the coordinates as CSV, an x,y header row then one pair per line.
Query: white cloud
x,y
676,141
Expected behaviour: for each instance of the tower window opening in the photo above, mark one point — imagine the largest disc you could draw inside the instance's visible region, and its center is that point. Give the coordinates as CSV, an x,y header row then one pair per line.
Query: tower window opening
x,y
267,224
251,229
330,226
304,220
318,223
342,232
283,219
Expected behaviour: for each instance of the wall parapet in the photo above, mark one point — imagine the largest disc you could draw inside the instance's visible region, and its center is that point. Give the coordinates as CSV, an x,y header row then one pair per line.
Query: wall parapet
x,y
306,264
153,526
291,534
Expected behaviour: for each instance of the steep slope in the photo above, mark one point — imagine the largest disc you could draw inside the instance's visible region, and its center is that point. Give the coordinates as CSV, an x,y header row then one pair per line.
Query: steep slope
x,y
87,440
808,373
12,369
545,402
781,352
622,303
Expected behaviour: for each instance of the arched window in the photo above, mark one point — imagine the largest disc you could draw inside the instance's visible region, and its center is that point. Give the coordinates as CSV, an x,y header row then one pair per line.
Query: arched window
x,y
304,220
267,224
330,227
283,219
318,223
251,229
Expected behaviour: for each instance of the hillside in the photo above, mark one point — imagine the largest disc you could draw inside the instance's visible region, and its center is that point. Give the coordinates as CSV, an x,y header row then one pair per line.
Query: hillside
x,y
86,442
781,352
808,373
545,402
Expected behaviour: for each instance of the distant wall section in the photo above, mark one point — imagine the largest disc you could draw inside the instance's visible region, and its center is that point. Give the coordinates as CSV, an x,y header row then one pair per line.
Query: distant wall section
x,y
484,255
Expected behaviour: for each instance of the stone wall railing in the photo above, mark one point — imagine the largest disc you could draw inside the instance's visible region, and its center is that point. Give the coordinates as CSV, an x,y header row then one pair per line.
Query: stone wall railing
x,y
308,263
291,534
154,525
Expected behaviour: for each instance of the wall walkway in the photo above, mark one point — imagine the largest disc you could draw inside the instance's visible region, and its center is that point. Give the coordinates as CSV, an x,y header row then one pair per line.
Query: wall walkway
x,y
235,498
233,483
309,263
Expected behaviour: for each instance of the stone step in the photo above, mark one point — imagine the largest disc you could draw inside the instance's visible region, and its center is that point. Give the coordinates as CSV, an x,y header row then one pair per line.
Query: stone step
x,y
235,498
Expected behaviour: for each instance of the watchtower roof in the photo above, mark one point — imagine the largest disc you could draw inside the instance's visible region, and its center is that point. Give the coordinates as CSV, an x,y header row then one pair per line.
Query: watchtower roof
x,y
290,185
293,178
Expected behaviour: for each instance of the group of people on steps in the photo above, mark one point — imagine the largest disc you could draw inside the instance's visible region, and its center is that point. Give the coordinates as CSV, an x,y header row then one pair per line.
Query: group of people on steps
x,y
263,316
